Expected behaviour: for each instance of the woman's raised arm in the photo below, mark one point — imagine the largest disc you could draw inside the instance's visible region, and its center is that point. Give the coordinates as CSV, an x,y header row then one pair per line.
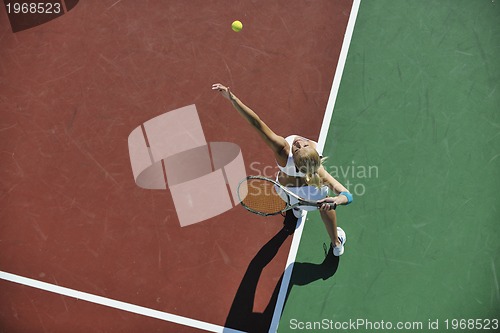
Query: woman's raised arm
x,y
277,143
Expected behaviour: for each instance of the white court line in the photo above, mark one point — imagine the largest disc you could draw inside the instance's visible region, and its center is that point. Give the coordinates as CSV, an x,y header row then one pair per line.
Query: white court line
x,y
338,74
115,304
321,143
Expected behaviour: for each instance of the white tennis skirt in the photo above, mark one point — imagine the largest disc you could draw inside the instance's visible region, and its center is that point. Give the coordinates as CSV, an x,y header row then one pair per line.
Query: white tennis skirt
x,y
307,192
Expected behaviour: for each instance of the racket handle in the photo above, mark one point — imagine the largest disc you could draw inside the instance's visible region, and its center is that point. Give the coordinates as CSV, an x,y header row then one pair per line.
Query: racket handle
x,y
332,205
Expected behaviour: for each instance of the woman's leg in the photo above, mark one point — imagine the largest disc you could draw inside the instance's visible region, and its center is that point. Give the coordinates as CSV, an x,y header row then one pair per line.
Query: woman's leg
x,y
329,218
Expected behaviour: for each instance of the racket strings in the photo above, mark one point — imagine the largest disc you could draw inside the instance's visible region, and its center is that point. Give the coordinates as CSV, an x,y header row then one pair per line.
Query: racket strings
x,y
260,196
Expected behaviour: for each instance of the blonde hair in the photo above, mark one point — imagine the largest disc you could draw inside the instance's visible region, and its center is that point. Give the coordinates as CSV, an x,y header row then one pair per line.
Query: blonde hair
x,y
309,163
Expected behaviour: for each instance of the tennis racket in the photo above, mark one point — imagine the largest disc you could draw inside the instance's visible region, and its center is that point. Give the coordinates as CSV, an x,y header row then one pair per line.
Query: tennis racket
x,y
267,197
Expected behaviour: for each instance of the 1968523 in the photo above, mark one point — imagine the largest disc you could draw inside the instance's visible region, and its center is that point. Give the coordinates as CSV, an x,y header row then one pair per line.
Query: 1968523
x,y
34,8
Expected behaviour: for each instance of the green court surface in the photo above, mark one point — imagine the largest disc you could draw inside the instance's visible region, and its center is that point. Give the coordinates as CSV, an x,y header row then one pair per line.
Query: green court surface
x,y
416,135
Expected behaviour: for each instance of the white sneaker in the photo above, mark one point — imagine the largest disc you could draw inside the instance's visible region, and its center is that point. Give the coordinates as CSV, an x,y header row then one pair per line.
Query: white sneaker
x,y
338,251
298,212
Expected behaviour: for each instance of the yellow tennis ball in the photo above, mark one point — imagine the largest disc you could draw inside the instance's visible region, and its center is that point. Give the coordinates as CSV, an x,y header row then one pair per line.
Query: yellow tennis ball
x,y
237,26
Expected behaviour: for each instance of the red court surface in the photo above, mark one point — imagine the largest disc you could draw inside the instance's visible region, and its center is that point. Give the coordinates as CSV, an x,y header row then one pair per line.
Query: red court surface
x,y
71,91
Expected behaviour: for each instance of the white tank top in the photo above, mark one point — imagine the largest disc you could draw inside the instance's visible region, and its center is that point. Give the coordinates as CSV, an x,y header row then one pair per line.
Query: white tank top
x,y
290,168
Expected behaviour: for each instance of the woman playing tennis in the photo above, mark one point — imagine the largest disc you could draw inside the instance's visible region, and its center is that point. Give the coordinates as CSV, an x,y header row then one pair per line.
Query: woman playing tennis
x,y
301,170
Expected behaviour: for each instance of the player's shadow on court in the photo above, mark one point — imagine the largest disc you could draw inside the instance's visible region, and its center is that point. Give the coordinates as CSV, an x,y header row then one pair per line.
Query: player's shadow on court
x,y
241,315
